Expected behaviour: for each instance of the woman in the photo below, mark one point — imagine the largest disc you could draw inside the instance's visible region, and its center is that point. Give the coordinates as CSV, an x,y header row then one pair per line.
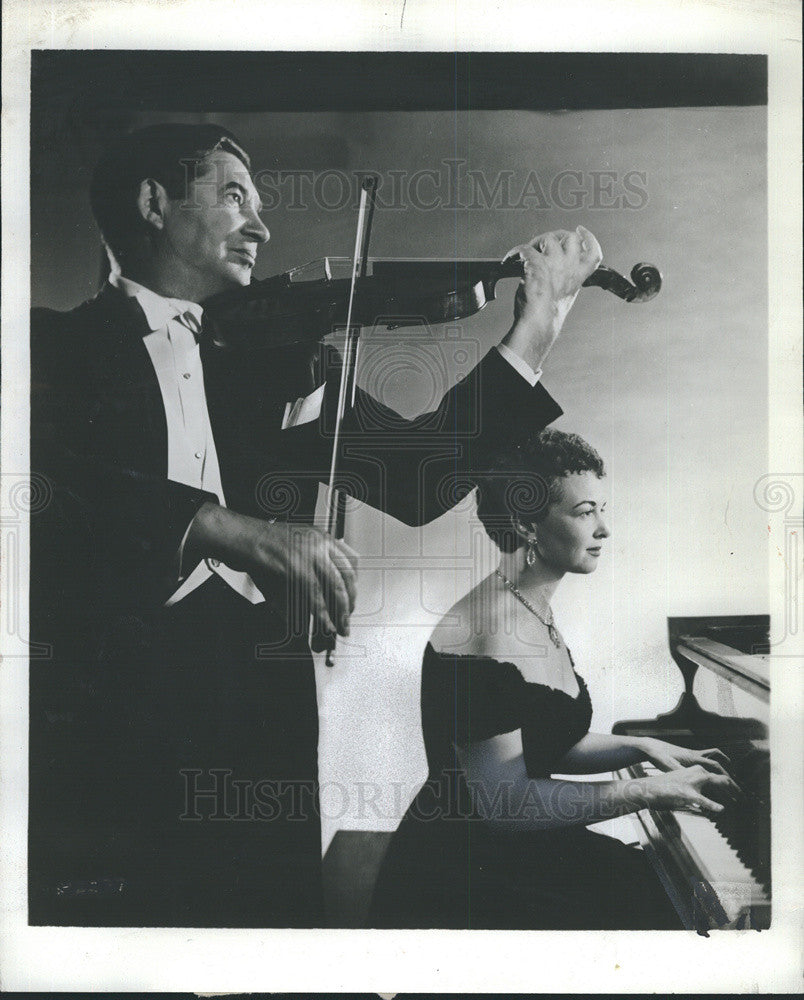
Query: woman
x,y
493,840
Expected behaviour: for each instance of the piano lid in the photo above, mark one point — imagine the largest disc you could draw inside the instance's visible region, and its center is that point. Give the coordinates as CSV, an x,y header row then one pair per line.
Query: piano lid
x,y
736,647
733,650
748,671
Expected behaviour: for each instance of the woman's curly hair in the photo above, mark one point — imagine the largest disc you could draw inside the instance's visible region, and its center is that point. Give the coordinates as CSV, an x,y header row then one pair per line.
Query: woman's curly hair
x,y
525,480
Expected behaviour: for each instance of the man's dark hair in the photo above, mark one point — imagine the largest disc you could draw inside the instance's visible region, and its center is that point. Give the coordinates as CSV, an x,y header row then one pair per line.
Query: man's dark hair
x,y
526,480
167,153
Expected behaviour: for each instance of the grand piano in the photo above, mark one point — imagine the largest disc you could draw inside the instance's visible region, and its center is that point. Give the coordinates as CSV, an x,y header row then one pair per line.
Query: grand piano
x,y
716,873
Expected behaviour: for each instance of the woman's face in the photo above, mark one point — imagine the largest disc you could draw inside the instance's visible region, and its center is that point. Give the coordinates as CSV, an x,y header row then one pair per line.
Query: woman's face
x,y
571,535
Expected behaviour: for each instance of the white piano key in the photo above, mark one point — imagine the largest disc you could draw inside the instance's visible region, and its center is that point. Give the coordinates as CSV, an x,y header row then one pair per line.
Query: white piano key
x,y
708,845
728,708
708,857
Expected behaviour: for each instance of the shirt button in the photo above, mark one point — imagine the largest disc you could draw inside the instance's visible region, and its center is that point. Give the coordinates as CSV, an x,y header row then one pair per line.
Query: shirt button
x,y
198,454
186,375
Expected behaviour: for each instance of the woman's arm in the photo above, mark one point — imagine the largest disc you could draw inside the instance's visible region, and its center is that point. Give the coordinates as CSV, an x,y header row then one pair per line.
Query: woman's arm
x,y
598,752
505,797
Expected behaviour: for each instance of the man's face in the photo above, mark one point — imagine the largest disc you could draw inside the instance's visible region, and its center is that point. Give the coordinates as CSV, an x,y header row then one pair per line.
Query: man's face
x,y
212,235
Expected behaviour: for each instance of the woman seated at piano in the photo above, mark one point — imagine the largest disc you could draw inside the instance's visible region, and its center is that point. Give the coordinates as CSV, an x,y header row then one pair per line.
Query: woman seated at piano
x,y
493,839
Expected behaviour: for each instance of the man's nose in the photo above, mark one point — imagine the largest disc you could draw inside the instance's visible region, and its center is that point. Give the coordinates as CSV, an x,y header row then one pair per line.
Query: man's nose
x,y
255,229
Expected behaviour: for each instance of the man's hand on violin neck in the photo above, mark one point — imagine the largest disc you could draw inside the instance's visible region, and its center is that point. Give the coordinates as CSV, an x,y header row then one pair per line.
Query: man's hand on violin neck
x,y
298,568
556,265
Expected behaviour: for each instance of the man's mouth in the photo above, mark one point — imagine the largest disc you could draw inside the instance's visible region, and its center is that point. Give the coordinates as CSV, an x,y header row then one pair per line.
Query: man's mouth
x,y
247,255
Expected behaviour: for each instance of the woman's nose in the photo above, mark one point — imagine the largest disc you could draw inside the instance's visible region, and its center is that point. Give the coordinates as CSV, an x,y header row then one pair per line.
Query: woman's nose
x,y
602,530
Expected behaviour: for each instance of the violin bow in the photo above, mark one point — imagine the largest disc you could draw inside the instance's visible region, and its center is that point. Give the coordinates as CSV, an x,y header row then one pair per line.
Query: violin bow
x,y
336,500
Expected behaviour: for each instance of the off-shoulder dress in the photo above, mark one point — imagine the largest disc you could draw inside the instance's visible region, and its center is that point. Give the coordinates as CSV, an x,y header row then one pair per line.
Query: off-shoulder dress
x,y
447,866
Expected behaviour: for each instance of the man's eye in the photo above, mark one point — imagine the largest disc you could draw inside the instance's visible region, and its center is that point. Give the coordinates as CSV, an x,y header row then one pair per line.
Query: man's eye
x,y
235,196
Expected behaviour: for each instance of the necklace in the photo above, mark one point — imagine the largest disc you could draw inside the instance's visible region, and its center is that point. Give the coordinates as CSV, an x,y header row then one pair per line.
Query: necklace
x,y
549,623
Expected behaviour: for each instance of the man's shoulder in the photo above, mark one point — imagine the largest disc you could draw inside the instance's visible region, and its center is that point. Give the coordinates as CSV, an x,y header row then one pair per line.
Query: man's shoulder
x,y
64,341
86,320
44,316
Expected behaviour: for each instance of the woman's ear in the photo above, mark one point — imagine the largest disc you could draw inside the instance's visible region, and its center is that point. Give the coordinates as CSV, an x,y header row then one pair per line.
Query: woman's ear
x,y
526,531
152,201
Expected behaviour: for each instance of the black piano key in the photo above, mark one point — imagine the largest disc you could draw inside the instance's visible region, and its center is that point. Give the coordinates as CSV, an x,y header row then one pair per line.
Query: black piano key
x,y
746,825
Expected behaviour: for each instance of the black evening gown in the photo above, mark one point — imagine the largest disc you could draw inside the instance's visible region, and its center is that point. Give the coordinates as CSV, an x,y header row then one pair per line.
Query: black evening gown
x,y
447,867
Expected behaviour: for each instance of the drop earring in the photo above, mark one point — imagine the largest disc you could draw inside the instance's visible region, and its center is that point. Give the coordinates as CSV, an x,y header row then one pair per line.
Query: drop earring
x,y
530,557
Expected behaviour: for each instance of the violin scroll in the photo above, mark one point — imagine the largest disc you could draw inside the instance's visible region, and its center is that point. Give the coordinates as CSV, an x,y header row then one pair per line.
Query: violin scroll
x,y
646,278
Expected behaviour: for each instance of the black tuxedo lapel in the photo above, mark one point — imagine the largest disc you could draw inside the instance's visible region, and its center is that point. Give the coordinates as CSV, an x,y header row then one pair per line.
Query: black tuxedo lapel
x,y
128,407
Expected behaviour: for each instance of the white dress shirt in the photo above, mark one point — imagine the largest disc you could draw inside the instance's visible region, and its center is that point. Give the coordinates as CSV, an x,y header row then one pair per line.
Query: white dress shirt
x,y
519,364
192,460
173,347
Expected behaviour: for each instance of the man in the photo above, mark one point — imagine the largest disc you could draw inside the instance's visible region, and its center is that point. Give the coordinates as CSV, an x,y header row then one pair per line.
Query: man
x,y
174,728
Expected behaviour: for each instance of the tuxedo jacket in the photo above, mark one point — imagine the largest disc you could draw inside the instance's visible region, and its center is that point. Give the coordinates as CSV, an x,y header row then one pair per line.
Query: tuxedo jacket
x,y
110,719
99,442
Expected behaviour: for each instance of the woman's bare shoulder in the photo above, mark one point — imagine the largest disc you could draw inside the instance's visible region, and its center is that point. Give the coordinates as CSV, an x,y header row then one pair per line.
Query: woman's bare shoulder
x,y
471,625
481,624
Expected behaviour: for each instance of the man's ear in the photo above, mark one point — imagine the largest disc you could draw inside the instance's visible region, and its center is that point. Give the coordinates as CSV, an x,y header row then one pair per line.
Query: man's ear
x,y
152,202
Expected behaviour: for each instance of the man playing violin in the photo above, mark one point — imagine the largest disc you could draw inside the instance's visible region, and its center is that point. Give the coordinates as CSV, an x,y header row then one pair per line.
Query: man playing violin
x,y
174,722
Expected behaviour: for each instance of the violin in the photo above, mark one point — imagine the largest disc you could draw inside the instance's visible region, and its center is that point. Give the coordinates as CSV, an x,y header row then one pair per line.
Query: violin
x,y
286,309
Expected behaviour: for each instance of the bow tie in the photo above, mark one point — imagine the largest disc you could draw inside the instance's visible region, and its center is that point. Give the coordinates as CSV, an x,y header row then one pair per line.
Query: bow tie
x,y
205,331
191,321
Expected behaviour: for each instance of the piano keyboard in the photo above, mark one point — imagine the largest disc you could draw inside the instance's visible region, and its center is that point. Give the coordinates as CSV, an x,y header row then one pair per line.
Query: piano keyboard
x,y
717,873
689,850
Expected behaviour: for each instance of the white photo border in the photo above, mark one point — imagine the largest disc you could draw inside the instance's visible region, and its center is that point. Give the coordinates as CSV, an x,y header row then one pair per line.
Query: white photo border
x,y
41,958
